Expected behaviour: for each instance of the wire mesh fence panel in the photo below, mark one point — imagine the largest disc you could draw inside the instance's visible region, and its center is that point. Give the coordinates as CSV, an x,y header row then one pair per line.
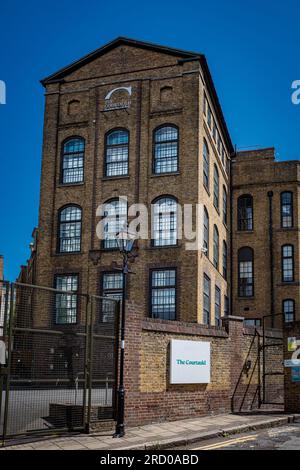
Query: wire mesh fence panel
x,y
46,381
104,347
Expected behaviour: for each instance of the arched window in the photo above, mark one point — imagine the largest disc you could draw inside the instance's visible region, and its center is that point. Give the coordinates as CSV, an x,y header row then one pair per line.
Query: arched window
x,y
287,257
245,270
287,209
216,248
225,218
288,306
245,212
225,256
216,187
115,213
69,238
116,153
164,221
206,232
73,160
165,158
205,165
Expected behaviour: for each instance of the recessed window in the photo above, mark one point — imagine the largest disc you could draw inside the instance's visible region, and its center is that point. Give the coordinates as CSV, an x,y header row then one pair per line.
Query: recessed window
x,y
287,253
69,238
117,152
216,248
225,206
225,261
163,294
252,322
245,212
206,232
287,209
209,116
164,222
245,271
216,187
73,161
165,158
205,165
226,305
288,310
66,304
217,306
115,213
112,287
206,300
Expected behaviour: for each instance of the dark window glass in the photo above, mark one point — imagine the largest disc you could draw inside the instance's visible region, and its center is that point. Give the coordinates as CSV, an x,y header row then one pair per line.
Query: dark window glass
x,y
69,230
112,287
217,306
205,165
206,300
66,304
163,294
245,269
166,150
245,213
252,322
216,187
116,155
288,263
287,210
226,305
224,205
216,248
115,213
73,161
209,116
165,222
224,259
206,232
289,310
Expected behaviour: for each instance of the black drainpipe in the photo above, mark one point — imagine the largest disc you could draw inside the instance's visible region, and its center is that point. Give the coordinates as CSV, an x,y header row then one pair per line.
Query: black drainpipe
x,y
270,196
231,232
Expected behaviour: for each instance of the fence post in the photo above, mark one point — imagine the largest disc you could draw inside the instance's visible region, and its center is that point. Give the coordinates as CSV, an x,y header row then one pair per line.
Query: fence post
x,y
9,351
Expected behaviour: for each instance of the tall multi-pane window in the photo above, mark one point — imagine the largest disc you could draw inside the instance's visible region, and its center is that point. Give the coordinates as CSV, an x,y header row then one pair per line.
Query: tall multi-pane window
x,y
217,306
216,187
206,300
73,161
66,304
245,272
226,305
69,231
163,294
165,158
205,165
206,232
288,310
115,214
225,217
245,212
209,116
164,221
225,261
287,254
112,287
116,153
216,248
287,209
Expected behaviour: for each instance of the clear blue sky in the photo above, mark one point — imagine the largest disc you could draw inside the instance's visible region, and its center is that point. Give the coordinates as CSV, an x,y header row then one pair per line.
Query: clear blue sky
x,y
252,48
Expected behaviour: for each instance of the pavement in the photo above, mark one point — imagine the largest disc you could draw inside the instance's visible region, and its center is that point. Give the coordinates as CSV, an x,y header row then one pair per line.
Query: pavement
x,y
162,435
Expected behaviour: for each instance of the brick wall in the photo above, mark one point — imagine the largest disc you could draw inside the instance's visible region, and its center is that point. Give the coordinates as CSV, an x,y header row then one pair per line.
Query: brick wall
x,y
151,398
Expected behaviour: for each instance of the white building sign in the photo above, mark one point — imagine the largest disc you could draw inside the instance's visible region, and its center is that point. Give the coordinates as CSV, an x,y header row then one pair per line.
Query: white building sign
x,y
189,362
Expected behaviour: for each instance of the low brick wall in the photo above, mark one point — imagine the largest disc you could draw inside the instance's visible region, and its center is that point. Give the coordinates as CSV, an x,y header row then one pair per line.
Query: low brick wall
x,y
151,398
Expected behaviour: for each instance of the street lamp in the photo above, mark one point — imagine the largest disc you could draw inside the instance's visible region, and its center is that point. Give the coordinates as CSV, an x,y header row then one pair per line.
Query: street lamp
x,y
125,241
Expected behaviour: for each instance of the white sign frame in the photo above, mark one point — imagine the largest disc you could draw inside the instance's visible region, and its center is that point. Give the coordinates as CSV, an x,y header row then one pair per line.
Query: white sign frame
x,y
190,362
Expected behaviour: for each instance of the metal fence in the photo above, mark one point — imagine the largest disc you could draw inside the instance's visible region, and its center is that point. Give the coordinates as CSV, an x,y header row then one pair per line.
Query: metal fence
x,y
60,373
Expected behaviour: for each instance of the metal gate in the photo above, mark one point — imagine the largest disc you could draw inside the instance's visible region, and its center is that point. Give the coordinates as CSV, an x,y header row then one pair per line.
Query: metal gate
x,y
272,370
60,373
